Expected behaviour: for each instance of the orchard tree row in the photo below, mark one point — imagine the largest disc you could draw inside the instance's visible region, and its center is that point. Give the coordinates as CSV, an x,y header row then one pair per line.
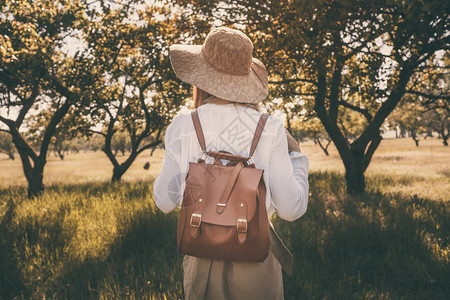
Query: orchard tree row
x,y
97,67
339,58
85,67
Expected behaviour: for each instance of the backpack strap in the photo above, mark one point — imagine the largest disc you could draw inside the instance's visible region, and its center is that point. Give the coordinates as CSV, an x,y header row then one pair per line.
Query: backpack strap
x,y
256,137
229,188
258,132
198,129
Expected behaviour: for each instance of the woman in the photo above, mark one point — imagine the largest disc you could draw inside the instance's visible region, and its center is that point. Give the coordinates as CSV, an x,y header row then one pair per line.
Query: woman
x,y
228,85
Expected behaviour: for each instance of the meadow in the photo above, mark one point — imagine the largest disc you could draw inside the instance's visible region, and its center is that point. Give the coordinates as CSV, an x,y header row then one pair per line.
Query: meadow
x,y
86,238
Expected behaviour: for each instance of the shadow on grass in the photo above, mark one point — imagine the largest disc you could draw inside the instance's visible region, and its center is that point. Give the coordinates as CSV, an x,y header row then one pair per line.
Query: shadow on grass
x,y
375,246
10,273
142,261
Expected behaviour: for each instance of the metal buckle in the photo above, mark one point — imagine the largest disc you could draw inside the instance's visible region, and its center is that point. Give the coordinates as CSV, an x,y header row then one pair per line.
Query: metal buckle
x,y
250,161
203,155
198,217
244,221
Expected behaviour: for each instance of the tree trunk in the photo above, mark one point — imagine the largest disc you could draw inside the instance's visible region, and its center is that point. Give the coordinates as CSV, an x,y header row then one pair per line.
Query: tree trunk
x,y
444,135
120,169
324,148
60,153
118,173
35,183
414,137
153,150
354,174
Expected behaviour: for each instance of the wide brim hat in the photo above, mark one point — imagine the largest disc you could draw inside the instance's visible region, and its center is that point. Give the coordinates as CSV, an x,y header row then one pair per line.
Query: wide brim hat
x,y
223,66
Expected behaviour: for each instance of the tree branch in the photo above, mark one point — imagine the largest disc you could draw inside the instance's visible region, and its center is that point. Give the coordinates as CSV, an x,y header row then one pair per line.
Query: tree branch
x,y
429,96
23,147
371,150
148,146
304,94
27,104
287,81
331,127
387,107
362,111
335,90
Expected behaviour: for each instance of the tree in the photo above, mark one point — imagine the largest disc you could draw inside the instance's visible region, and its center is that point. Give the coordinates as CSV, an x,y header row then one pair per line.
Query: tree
x,y
418,120
440,122
409,118
120,142
343,55
138,93
34,72
6,145
62,134
312,128
428,111
434,100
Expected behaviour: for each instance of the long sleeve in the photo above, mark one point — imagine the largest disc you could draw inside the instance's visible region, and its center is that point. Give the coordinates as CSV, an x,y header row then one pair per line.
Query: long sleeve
x,y
288,179
167,186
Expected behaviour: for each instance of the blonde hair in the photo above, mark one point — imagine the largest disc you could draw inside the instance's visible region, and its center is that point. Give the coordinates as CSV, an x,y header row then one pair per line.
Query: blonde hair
x,y
201,97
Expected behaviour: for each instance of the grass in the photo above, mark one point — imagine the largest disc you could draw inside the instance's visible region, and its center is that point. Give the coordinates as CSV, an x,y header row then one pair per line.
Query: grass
x,y
425,168
83,167
97,240
376,246
103,241
87,241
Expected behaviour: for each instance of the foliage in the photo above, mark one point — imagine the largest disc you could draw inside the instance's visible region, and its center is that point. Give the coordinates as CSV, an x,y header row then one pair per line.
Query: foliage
x,y
109,241
416,118
311,128
346,58
120,142
138,93
36,73
117,76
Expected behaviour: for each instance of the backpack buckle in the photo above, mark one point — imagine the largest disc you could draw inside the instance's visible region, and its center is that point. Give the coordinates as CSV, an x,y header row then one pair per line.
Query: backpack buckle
x,y
196,219
203,155
250,161
242,222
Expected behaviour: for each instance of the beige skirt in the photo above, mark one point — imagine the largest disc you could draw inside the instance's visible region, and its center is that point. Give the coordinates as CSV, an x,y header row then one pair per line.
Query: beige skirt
x,y
206,278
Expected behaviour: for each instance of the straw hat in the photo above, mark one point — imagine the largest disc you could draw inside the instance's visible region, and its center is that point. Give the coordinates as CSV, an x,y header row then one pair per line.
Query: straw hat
x,y
223,66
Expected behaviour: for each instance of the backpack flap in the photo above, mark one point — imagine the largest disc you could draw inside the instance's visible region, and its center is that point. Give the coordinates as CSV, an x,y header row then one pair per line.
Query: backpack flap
x,y
209,183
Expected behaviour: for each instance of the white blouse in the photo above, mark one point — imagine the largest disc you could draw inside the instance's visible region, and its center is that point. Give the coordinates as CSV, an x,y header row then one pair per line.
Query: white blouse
x,y
231,128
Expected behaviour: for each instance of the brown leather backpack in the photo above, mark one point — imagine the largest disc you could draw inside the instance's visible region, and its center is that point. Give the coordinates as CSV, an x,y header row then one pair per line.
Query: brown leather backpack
x,y
223,213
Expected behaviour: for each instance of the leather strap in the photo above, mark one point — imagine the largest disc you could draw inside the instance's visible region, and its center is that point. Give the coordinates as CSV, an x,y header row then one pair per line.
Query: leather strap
x,y
280,251
196,218
258,132
231,182
242,221
256,136
198,129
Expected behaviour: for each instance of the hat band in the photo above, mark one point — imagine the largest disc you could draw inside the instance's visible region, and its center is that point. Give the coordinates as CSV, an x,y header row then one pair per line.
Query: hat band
x,y
221,69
